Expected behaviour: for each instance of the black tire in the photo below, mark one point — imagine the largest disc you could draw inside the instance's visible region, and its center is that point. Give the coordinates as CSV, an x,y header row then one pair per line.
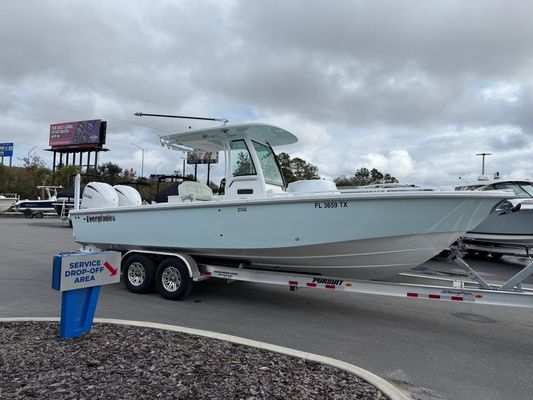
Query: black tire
x,y
28,213
496,256
38,214
172,279
138,273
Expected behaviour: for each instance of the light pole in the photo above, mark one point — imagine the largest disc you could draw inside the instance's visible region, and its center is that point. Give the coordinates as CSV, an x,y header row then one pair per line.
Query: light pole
x,y
142,158
155,172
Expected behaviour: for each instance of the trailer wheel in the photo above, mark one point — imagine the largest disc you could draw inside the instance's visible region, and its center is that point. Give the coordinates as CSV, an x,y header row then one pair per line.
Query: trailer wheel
x,y
38,214
28,213
172,279
139,273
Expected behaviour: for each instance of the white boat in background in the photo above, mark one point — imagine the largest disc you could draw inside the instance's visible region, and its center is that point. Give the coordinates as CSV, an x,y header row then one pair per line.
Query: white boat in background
x,y
7,201
43,204
310,228
512,222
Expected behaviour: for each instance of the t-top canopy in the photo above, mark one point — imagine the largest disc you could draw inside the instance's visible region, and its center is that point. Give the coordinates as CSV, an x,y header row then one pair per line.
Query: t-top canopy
x,y
213,139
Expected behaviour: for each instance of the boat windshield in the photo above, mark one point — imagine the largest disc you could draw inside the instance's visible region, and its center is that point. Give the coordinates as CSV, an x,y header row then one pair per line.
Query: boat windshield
x,y
524,189
269,165
241,161
528,187
470,187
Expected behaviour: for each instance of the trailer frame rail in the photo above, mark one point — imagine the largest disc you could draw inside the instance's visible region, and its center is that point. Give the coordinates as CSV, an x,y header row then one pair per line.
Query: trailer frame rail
x,y
457,290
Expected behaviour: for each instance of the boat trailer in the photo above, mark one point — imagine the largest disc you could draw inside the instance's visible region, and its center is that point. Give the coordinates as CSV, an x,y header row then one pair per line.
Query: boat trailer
x,y
176,272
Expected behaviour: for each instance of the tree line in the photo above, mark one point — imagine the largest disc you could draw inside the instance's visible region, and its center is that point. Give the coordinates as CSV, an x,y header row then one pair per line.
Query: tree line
x,y
295,169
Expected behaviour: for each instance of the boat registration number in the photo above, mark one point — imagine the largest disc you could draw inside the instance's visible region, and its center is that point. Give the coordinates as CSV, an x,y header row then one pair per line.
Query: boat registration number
x,y
331,204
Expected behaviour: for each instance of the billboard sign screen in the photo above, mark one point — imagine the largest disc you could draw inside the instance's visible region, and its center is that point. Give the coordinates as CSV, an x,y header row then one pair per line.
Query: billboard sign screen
x,y
202,157
6,149
73,134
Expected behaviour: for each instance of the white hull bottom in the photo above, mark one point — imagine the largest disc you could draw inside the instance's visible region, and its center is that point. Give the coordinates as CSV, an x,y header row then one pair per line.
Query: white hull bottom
x,y
374,258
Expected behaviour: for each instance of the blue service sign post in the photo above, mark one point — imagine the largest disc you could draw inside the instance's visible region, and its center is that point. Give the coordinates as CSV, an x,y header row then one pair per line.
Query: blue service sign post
x,y
79,277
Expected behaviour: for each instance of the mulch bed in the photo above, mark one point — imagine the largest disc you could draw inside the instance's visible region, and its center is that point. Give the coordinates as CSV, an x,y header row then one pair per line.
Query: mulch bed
x,y
123,362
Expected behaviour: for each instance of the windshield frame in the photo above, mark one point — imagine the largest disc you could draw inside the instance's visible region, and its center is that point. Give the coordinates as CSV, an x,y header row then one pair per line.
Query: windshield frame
x,y
268,147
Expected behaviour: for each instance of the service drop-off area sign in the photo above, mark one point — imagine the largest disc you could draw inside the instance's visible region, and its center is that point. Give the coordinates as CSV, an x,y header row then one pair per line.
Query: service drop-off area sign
x,y
82,270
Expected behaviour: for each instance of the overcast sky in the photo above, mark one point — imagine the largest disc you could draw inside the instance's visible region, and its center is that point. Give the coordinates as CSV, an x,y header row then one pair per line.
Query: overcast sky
x,y
413,88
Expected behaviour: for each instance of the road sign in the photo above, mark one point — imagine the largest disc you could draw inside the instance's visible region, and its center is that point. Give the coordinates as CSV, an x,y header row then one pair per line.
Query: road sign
x,y
82,270
6,149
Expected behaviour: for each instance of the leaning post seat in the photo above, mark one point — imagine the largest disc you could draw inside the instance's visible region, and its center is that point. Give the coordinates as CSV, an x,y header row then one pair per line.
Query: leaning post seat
x,y
195,191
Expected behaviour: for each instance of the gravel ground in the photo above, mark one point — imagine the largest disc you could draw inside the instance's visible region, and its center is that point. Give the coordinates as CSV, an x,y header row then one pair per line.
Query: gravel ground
x,y
121,362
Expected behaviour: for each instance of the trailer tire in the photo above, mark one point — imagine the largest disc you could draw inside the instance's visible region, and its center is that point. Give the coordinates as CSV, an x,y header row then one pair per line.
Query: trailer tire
x,y
38,214
28,213
172,279
139,273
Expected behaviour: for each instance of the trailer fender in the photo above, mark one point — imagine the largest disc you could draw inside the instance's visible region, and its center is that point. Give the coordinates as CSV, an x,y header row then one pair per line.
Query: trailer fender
x,y
192,266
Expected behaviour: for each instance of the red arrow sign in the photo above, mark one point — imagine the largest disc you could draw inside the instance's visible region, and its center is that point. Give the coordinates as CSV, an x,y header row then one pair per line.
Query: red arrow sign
x,y
110,268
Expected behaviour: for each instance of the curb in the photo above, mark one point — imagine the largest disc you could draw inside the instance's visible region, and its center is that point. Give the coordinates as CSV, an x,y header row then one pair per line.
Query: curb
x,y
384,386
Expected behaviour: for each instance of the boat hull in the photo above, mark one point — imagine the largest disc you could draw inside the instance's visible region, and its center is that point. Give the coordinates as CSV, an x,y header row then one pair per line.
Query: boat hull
x,y
6,204
360,237
357,259
40,205
514,228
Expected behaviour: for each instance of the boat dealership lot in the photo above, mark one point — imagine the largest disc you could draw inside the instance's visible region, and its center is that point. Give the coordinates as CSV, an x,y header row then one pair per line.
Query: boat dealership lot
x,y
435,350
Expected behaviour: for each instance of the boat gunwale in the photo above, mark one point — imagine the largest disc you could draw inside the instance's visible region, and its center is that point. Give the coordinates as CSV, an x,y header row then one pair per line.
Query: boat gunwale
x,y
296,198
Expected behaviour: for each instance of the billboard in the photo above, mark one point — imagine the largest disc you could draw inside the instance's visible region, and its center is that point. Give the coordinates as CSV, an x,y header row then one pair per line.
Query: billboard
x,y
202,157
89,133
6,149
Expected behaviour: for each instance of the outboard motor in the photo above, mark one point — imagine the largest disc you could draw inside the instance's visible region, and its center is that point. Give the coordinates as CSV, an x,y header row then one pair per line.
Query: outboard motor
x,y
128,196
99,195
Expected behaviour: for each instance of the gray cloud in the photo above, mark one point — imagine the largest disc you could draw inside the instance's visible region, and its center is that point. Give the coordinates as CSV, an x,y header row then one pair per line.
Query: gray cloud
x,y
425,77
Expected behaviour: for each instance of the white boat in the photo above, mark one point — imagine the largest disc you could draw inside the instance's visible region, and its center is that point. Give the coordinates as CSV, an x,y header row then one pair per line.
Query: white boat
x,y
310,228
7,201
512,222
42,204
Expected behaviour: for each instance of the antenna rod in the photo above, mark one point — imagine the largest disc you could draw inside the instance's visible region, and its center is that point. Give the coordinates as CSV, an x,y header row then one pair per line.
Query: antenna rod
x,y
483,161
140,114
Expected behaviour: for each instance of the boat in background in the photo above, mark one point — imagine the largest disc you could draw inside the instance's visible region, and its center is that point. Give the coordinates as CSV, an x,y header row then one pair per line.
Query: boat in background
x,y
41,205
260,223
7,200
512,222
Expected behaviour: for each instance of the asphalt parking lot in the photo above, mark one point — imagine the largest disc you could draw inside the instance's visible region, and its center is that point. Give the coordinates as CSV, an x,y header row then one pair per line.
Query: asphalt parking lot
x,y
435,350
